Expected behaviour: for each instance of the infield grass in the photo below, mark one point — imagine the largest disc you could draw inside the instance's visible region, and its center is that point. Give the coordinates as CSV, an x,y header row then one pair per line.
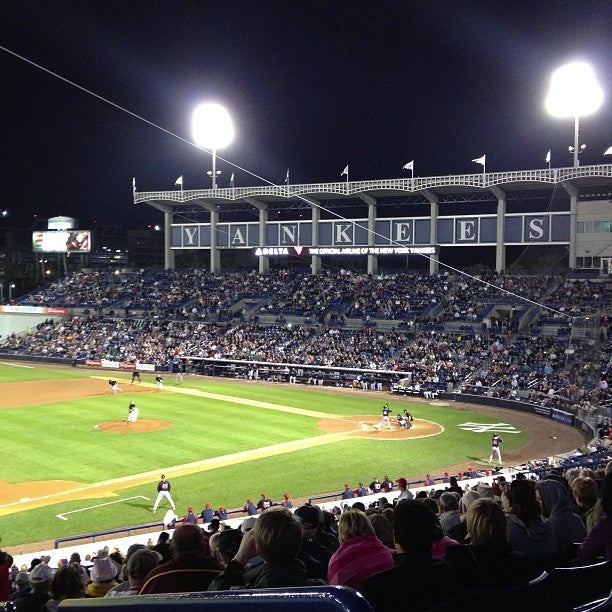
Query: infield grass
x,y
58,441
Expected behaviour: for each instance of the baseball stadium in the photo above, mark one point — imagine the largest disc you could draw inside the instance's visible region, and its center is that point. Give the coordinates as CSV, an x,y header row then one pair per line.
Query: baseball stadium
x,y
325,394
272,381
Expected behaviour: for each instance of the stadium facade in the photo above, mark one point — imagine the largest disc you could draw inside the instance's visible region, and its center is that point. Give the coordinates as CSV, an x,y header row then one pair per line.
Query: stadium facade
x,y
569,208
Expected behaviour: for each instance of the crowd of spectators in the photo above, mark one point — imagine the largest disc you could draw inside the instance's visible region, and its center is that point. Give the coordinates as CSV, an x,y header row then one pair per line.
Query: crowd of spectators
x,y
494,534
157,318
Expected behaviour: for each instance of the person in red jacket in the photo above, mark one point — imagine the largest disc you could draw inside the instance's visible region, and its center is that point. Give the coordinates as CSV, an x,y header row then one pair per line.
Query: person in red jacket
x,y
5,568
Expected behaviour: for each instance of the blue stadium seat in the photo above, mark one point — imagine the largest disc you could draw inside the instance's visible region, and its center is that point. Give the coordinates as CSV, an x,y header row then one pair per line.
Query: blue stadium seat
x,y
576,586
601,605
537,595
298,599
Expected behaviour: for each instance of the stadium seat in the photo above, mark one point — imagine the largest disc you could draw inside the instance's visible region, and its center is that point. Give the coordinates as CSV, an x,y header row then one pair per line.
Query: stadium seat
x,y
298,599
577,586
536,595
600,605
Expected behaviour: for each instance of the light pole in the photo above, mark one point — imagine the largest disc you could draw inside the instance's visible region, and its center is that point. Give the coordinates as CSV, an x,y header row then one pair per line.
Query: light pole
x,y
11,287
216,176
212,129
574,92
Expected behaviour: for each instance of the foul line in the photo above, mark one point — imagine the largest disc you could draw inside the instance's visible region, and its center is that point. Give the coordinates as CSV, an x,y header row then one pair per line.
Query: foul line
x,y
246,402
117,501
108,486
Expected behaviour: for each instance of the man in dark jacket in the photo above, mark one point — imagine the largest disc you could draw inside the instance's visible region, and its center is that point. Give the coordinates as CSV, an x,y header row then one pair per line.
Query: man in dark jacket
x,y
413,526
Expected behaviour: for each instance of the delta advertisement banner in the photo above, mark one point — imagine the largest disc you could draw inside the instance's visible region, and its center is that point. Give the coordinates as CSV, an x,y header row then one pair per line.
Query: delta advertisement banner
x,y
62,242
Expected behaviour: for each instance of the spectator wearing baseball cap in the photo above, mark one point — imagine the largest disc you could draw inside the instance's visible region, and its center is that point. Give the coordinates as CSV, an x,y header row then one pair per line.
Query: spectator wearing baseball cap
x,y
207,514
402,484
264,503
40,580
250,508
348,492
190,517
314,555
286,501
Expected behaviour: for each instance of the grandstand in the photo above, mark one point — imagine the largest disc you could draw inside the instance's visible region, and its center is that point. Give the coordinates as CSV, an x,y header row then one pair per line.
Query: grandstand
x,y
541,344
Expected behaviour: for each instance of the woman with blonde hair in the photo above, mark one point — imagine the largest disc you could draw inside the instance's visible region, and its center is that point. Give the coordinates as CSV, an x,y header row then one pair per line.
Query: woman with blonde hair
x,y
361,553
487,561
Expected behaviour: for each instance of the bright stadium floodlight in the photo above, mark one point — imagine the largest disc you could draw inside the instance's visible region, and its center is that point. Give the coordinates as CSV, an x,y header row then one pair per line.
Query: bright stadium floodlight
x,y
212,129
574,92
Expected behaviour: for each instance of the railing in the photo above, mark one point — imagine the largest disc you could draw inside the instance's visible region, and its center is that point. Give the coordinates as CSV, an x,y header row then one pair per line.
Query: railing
x,y
94,537
545,176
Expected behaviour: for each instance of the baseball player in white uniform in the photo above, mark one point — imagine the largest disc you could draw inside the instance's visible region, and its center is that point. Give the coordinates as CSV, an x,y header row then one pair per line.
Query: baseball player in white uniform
x,y
132,413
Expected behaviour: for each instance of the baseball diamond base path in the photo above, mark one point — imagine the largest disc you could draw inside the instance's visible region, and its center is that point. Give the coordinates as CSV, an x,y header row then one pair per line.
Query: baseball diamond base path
x,y
548,437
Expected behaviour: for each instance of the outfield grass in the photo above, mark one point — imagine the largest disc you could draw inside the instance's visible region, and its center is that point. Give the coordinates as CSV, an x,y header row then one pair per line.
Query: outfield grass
x,y
58,441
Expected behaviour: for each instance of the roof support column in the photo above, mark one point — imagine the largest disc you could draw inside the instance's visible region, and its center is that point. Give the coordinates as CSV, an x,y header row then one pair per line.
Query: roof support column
x,y
372,259
168,252
573,194
315,260
434,209
215,256
264,261
500,234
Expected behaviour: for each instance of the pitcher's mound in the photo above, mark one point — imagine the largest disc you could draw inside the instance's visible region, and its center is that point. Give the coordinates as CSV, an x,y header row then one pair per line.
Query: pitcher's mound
x,y
142,425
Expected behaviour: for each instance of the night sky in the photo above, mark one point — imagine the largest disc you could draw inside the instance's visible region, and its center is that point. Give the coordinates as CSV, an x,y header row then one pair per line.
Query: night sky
x,y
311,86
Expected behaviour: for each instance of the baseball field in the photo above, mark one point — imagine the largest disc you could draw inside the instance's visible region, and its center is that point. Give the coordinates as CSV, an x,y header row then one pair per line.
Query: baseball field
x,y
72,465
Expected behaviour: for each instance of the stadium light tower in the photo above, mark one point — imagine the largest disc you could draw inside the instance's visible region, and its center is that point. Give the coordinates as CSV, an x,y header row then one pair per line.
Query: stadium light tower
x,y
574,92
212,129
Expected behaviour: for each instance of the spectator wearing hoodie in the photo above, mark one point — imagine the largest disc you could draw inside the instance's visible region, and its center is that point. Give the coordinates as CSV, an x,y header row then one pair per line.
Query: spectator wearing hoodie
x,y
555,500
527,532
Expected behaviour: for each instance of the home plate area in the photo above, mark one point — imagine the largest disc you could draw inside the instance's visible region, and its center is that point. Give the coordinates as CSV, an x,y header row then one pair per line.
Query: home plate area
x,y
364,426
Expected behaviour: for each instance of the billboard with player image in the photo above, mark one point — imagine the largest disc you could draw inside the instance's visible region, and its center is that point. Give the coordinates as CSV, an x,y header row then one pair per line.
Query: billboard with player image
x,y
62,241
